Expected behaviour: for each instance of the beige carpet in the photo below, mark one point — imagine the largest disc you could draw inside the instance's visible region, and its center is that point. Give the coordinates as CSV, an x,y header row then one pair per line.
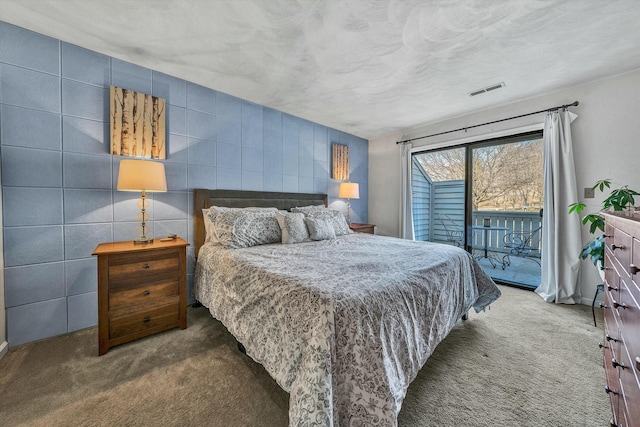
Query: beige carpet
x,y
521,363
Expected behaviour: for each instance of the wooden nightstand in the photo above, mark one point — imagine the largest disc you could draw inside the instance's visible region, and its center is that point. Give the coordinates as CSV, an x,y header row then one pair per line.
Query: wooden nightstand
x,y
363,228
141,290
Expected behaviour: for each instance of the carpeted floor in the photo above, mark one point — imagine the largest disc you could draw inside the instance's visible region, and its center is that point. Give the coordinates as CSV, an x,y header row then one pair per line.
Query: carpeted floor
x,y
521,363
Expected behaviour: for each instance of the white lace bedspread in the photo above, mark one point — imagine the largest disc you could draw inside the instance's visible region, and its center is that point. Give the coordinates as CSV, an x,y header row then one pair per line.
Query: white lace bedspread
x,y
343,325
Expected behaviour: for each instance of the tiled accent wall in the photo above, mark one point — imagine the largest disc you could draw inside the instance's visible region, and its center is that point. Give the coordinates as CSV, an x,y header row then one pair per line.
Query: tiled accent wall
x,y
58,178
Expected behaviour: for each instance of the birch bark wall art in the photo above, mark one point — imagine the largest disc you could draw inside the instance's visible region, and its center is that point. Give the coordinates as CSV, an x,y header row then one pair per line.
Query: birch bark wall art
x,y
340,162
138,126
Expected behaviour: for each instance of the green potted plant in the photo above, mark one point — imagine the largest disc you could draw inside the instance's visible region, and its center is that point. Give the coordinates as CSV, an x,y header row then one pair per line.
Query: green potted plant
x,y
620,199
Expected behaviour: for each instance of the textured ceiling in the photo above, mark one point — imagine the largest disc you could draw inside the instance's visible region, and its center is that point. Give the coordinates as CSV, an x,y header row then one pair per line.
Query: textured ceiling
x,y
370,68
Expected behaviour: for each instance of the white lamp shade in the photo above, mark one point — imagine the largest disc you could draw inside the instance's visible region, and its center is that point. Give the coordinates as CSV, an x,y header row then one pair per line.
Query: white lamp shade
x,y
349,190
141,175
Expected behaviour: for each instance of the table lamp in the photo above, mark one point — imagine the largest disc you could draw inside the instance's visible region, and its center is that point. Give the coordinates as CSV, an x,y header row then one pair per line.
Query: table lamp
x,y
144,176
349,190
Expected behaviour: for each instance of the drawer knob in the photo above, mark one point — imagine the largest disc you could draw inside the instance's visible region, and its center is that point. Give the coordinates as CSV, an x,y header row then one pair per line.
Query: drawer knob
x,y
611,288
610,338
619,304
608,390
603,305
145,266
633,269
614,247
602,345
147,319
615,363
146,293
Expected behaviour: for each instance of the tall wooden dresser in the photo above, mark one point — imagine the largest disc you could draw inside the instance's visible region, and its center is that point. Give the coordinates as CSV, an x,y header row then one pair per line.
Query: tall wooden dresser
x,y
622,318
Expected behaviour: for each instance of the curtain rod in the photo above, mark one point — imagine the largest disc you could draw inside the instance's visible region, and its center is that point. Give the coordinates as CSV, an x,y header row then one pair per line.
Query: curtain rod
x,y
573,104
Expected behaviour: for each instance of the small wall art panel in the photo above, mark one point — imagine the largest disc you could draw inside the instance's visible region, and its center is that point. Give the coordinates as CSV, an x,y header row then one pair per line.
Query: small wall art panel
x,y
137,124
340,155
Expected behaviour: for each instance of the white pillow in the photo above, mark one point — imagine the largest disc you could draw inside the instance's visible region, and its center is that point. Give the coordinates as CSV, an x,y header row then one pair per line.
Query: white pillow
x,y
207,226
320,229
293,228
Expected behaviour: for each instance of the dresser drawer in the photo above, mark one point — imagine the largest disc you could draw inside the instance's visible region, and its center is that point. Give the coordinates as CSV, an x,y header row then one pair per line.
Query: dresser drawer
x,y
612,269
630,320
143,293
144,320
611,326
144,265
623,244
630,390
612,384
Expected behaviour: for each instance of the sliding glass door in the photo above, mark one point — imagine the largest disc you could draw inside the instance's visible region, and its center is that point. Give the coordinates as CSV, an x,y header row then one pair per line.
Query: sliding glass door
x,y
486,197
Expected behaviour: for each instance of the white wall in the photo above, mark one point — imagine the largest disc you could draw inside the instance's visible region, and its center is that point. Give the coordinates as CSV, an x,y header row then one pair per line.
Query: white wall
x,y
606,137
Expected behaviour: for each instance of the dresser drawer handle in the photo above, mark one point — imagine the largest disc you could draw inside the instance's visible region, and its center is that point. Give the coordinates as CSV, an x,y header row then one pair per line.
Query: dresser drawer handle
x,y
609,390
615,363
614,247
146,293
603,305
147,320
602,345
619,304
633,269
145,266
610,338
611,288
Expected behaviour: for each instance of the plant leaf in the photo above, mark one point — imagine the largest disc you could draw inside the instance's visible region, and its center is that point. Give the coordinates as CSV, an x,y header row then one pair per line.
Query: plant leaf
x,y
576,207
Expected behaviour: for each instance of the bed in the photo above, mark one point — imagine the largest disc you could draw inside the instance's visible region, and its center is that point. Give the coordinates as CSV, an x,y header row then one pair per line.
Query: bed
x,y
342,324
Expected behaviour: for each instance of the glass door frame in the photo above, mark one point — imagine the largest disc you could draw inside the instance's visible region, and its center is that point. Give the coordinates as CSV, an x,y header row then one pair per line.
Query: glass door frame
x,y
468,176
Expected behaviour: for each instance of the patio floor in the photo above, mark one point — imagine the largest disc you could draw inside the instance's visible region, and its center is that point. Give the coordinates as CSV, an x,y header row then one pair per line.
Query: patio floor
x,y
522,271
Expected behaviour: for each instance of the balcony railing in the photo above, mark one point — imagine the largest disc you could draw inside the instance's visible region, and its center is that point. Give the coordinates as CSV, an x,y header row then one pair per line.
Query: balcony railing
x,y
524,222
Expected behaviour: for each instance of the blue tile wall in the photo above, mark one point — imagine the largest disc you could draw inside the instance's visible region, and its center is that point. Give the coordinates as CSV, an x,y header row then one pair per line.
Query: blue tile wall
x,y
59,179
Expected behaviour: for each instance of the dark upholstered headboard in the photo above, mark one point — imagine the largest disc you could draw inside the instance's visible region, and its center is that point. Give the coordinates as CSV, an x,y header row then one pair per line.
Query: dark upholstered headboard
x,y
203,199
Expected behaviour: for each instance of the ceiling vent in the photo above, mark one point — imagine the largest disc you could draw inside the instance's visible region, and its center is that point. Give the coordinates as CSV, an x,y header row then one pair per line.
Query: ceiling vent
x,y
487,89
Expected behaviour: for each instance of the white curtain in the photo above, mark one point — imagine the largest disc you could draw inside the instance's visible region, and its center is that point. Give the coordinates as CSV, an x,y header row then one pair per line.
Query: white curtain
x,y
406,199
561,240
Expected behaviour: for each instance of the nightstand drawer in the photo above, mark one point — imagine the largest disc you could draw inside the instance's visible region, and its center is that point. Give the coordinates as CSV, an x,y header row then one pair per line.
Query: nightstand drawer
x,y
363,228
139,294
126,267
144,320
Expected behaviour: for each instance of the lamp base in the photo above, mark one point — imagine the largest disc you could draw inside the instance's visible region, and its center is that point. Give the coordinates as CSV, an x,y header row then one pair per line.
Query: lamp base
x,y
141,240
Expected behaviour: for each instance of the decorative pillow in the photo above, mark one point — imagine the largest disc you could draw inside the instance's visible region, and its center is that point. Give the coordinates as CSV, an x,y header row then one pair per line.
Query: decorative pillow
x,y
320,229
249,209
293,227
255,228
210,214
308,209
223,226
337,219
